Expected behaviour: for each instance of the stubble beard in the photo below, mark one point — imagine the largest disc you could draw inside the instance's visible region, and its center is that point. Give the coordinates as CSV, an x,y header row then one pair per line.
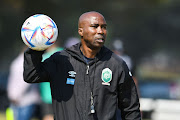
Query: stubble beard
x,y
93,45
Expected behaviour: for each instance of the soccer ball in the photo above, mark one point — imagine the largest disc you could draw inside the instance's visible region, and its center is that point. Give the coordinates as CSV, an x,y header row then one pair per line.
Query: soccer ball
x,y
39,32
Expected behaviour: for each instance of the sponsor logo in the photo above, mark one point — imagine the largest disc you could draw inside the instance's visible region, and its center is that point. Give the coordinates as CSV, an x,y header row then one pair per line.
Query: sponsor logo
x,y
71,80
72,73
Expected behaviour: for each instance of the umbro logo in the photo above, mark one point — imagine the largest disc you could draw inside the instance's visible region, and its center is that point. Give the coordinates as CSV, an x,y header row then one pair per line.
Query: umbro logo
x,y
72,73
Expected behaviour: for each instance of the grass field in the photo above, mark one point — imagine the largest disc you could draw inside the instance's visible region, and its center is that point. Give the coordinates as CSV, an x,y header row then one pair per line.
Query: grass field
x,y
2,116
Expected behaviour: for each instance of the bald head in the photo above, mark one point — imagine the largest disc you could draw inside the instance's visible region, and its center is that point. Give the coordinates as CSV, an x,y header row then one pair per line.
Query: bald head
x,y
87,16
92,30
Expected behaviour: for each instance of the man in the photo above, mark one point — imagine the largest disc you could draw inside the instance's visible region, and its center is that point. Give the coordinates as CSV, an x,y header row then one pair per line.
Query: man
x,y
88,81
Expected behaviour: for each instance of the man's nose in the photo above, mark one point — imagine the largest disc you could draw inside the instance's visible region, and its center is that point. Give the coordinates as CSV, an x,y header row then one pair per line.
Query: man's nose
x,y
99,30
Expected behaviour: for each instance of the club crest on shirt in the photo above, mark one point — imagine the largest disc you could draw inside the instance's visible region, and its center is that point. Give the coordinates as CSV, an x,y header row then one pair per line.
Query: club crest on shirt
x,y
106,76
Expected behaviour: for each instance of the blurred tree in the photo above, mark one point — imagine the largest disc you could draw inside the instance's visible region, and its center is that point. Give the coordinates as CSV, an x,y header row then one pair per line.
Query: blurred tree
x,y
146,26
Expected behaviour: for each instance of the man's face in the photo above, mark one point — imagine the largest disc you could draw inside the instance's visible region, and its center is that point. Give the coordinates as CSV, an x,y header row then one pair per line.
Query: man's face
x,y
94,31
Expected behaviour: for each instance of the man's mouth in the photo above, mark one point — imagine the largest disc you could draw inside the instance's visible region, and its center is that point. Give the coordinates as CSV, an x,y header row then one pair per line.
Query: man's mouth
x,y
100,40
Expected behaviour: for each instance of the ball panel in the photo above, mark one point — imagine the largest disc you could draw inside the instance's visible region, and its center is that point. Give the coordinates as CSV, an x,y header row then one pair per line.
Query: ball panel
x,y
39,32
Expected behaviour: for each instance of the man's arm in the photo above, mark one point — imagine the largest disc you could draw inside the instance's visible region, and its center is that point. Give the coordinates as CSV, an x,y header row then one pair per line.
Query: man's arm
x,y
128,100
33,68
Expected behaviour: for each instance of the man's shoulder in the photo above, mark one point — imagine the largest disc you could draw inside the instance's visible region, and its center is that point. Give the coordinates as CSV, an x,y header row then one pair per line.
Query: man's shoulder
x,y
60,54
113,56
117,58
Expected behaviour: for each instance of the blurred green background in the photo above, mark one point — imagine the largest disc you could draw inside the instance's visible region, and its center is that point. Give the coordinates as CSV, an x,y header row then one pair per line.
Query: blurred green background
x,y
145,26
149,30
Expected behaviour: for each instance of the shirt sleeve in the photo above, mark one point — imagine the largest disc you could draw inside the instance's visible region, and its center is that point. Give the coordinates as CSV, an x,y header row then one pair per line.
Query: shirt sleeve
x,y
128,100
34,71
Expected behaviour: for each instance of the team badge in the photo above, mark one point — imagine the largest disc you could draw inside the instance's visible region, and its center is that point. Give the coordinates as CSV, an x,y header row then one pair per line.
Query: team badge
x,y
106,76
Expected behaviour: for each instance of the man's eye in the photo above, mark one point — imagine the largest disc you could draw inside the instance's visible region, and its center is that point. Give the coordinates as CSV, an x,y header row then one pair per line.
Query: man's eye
x,y
95,26
104,27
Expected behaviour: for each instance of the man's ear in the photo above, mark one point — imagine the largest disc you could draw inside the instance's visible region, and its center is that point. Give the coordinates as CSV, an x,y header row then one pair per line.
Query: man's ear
x,y
80,31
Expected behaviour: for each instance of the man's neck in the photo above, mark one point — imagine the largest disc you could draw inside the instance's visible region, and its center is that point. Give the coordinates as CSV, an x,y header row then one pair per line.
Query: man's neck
x,y
88,52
